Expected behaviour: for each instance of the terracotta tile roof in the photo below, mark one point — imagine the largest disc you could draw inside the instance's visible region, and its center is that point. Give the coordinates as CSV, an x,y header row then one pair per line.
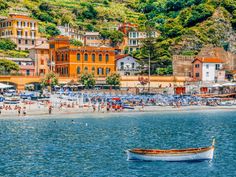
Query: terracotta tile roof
x,y
209,60
118,57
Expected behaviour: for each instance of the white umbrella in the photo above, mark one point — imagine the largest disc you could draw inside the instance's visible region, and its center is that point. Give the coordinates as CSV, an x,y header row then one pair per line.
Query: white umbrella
x,y
3,86
228,84
217,85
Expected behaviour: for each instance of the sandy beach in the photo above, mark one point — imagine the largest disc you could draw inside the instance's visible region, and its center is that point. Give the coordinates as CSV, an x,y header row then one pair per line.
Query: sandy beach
x,y
35,111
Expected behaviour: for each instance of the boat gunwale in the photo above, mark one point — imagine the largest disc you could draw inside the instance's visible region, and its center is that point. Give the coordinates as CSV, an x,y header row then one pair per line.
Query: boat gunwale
x,y
171,151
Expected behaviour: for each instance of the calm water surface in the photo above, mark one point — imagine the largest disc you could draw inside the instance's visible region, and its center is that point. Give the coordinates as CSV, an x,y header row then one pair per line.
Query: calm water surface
x,y
93,146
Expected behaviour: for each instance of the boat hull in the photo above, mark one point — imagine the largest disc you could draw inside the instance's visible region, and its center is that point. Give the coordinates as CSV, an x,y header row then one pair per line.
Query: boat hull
x,y
206,155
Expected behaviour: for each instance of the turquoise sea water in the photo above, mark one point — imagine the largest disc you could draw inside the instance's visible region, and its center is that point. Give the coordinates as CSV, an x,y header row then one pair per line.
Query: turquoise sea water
x,y
93,145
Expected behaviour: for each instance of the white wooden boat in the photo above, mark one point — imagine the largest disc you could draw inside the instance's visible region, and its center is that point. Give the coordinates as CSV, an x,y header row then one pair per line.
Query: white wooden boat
x,y
190,154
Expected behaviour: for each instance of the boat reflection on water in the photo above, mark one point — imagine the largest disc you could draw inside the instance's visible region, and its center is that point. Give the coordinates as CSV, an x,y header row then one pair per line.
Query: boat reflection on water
x,y
175,155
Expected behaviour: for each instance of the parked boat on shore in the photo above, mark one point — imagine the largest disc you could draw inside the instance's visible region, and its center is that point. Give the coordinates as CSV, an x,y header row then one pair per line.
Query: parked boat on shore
x,y
190,154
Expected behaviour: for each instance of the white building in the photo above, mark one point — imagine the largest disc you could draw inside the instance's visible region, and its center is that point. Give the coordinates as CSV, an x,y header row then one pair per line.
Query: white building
x,y
208,70
135,39
127,65
71,32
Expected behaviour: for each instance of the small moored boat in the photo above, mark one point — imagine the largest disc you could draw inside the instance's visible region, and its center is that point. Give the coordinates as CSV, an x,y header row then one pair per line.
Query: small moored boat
x,y
190,154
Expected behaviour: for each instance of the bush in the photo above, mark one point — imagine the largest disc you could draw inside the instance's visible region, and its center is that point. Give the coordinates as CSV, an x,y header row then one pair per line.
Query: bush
x,y
7,44
52,30
76,42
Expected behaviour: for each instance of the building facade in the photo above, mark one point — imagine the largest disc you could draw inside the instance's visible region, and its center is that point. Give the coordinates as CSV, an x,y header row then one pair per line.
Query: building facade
x,y
22,30
208,70
71,61
135,39
127,65
71,32
27,65
94,39
40,55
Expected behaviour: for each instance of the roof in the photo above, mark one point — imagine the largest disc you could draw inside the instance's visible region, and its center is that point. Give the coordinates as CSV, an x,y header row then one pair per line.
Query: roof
x,y
118,57
209,60
18,59
41,46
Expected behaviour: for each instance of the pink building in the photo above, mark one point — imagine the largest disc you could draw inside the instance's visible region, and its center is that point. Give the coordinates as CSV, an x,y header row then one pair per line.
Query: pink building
x,y
26,65
40,55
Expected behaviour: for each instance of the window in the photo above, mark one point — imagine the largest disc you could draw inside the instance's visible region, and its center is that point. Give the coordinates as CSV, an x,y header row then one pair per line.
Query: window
x,y
78,56
197,65
86,69
19,41
100,57
27,72
26,41
66,57
58,57
42,62
86,57
100,71
217,66
207,66
121,65
107,71
207,74
107,58
32,42
52,46
197,74
62,57
93,58
133,65
78,70
93,69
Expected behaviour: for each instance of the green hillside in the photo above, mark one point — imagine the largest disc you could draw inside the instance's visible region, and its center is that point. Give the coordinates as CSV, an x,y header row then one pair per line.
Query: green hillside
x,y
185,25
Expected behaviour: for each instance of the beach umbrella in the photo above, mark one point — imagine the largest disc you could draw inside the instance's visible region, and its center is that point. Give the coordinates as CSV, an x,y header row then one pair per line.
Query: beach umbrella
x,y
228,84
216,85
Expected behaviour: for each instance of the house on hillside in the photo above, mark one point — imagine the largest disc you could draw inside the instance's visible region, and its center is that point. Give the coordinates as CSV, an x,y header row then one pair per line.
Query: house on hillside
x,y
21,29
127,65
208,70
40,55
27,65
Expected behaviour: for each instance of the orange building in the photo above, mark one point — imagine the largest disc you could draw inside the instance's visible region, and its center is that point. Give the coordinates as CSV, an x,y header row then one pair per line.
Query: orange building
x,y
72,61
21,29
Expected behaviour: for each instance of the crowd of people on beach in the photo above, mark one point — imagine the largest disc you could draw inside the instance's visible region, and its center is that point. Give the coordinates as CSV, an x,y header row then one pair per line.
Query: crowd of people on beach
x,y
104,103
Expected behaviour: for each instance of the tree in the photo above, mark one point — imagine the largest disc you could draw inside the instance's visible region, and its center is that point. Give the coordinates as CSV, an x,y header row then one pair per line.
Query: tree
x,y
7,44
116,37
87,80
8,66
113,79
76,42
90,12
50,80
52,30
3,5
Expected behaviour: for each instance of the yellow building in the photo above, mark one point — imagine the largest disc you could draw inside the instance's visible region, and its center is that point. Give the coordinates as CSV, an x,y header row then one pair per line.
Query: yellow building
x,y
22,30
72,61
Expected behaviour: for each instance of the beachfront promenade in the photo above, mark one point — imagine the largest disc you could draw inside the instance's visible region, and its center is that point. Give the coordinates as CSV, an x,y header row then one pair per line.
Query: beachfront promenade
x,y
126,81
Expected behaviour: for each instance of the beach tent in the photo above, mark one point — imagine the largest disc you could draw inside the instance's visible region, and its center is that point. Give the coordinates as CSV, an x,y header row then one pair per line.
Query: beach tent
x,y
4,86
